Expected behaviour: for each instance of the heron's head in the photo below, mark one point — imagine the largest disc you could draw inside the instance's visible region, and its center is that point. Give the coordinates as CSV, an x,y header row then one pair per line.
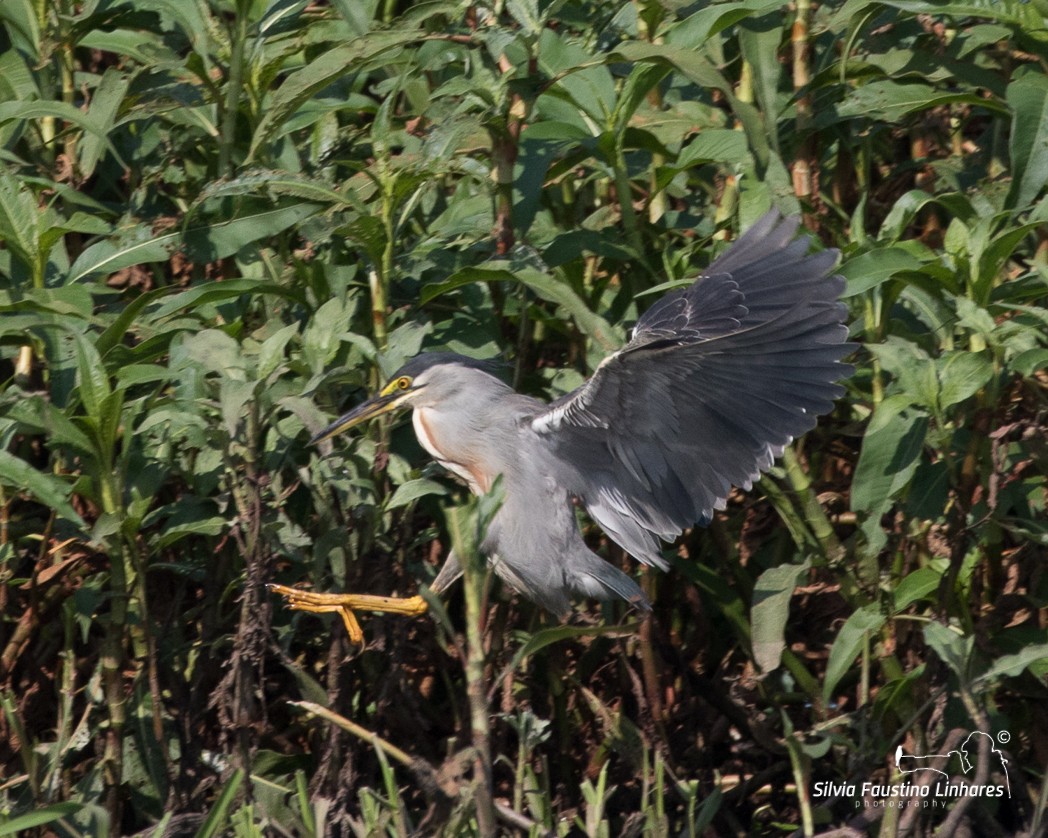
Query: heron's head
x,y
431,378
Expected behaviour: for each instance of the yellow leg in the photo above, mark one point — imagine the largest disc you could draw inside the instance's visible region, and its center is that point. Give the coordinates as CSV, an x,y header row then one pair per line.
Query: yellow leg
x,y
345,604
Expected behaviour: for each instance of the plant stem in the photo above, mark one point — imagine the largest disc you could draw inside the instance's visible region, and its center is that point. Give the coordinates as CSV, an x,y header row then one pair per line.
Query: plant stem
x,y
466,535
235,83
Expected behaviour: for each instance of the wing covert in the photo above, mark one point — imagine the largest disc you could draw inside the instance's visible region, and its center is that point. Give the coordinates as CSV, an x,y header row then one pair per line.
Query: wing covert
x,y
716,381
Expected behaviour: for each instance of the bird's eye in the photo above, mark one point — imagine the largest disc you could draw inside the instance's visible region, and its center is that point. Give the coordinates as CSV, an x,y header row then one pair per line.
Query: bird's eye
x,y
403,382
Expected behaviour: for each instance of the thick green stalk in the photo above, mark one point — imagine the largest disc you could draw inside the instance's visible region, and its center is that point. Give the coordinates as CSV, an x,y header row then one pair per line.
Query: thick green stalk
x,y
814,514
464,527
234,86
624,193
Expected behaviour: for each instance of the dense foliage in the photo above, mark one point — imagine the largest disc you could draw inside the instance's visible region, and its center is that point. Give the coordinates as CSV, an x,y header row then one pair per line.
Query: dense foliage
x,y
223,221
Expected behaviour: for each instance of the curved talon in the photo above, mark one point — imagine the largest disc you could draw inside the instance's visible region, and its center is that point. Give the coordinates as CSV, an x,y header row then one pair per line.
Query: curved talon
x,y
345,604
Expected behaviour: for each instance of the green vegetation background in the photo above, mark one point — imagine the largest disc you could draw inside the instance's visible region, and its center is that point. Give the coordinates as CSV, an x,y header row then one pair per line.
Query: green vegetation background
x,y
223,222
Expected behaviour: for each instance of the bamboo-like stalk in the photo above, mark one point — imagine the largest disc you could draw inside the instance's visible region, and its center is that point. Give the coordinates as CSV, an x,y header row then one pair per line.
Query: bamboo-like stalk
x,y
505,147
234,86
475,578
657,202
804,163
815,516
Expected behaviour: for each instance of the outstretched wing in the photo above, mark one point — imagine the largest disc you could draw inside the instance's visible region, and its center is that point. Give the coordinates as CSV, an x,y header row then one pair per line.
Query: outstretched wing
x,y
717,379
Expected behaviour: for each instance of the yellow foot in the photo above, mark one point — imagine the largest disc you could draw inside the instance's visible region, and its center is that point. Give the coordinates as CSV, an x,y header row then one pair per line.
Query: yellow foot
x,y
345,604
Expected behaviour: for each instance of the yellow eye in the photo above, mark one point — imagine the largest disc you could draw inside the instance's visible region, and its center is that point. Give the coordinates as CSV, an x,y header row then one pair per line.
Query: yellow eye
x,y
403,382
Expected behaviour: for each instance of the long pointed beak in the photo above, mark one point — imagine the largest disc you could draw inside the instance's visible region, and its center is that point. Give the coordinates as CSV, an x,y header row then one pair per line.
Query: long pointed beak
x,y
375,406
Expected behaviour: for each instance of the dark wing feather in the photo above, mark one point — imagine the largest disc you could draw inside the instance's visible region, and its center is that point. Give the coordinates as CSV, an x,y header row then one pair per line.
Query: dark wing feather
x,y
716,381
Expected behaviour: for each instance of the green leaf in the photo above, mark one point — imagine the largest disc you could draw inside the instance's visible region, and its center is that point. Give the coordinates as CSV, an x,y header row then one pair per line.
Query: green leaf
x,y
759,39
771,608
953,648
207,243
20,824
544,286
28,111
890,451
871,269
302,85
19,212
215,351
46,488
273,183
850,641
961,375
696,29
917,585
557,634
215,292
219,813
271,353
105,104
413,490
913,370
1028,143
92,377
22,17
1028,362
714,145
1011,666
892,101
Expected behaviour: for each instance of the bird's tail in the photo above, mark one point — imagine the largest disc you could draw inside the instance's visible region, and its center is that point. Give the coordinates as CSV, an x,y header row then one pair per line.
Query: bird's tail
x,y
602,580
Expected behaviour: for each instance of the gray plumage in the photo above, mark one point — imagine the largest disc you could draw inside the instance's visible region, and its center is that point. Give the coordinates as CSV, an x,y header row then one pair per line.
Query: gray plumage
x,y
715,382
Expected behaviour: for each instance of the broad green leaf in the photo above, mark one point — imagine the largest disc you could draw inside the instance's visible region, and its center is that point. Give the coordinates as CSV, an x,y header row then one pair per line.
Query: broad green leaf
x,y
271,353
953,648
215,351
696,29
207,243
1030,361
46,488
322,71
917,585
92,378
1020,12
913,370
876,267
10,111
1028,143
215,292
890,450
544,286
771,608
891,101
1010,666
546,637
273,183
413,490
759,39
19,212
718,145
105,105
961,375
696,67
42,415
850,640
140,45
22,16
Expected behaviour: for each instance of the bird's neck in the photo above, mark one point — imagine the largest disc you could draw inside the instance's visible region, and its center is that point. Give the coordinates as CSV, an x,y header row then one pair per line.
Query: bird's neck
x,y
452,450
